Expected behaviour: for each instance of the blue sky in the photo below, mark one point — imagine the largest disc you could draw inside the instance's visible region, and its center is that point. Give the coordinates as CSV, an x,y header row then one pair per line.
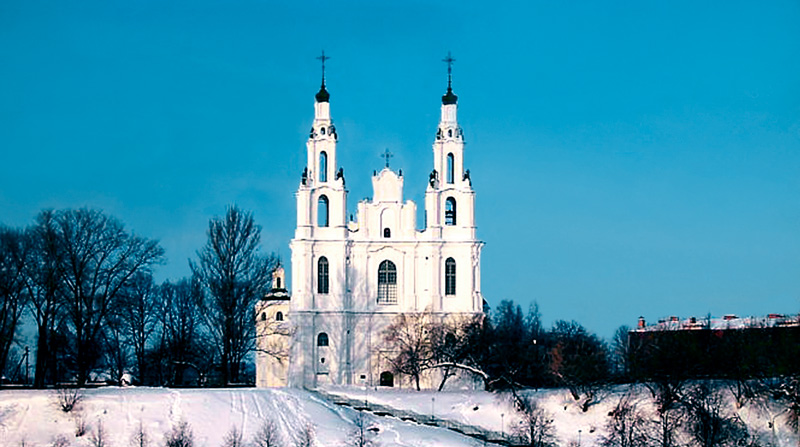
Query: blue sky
x,y
629,158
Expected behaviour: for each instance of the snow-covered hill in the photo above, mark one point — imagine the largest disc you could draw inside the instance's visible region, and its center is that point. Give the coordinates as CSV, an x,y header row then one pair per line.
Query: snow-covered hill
x,y
34,417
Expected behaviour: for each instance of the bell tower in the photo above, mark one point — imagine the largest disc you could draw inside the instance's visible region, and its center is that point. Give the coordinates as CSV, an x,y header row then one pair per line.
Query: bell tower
x,y
321,207
449,198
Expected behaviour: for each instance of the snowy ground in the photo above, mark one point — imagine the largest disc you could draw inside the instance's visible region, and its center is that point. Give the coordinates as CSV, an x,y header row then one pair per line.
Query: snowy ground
x,y
35,418
572,426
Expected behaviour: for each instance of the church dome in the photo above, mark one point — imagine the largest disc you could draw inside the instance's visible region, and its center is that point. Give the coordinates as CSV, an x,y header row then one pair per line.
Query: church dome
x,y
322,95
449,97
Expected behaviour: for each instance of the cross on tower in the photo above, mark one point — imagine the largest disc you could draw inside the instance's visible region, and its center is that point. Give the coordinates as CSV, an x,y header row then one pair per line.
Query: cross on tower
x,y
449,61
323,58
387,155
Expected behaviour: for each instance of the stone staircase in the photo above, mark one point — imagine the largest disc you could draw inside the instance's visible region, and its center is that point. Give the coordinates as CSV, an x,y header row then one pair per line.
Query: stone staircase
x,y
473,431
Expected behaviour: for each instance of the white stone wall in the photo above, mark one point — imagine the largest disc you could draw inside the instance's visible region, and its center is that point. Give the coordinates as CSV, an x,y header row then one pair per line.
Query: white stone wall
x,y
349,313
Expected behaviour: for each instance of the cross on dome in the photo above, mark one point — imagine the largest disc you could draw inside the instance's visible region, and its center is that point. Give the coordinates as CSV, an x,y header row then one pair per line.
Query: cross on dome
x,y
387,155
323,95
449,97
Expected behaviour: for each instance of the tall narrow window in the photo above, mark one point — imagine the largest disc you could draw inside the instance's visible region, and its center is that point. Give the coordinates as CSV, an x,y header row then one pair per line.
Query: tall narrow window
x,y
278,283
322,212
323,167
387,283
450,211
322,275
450,168
279,316
450,276
322,339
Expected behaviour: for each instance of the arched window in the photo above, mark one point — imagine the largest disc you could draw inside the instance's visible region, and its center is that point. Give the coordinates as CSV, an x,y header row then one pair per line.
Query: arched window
x,y
451,164
279,316
387,379
322,339
322,211
323,164
450,276
450,211
387,232
322,275
278,282
387,283
263,316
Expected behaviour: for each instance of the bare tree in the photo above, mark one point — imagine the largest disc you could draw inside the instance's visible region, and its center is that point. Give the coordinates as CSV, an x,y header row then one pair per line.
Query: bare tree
x,y
13,296
267,435
707,421
45,289
138,311
626,426
140,437
99,259
233,438
180,436
115,346
360,435
536,427
620,352
181,340
234,276
409,337
306,437
579,361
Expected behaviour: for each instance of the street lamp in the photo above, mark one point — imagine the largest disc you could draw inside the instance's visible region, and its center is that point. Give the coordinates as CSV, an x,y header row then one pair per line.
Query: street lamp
x,y
502,425
433,401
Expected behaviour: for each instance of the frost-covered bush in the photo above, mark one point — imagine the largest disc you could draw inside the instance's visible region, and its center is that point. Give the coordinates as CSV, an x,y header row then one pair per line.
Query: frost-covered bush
x,y
180,436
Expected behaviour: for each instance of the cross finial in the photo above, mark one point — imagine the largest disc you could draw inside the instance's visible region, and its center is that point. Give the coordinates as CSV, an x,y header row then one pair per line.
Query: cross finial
x,y
449,61
323,58
387,155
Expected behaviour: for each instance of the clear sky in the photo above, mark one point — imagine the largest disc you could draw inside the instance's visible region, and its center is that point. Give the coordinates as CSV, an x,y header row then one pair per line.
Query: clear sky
x,y
630,158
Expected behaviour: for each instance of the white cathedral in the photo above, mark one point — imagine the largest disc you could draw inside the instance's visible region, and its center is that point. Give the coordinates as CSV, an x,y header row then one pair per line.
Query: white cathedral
x,y
351,279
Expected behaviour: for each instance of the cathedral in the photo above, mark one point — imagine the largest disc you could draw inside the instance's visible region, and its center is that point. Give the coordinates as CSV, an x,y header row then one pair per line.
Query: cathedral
x,y
352,278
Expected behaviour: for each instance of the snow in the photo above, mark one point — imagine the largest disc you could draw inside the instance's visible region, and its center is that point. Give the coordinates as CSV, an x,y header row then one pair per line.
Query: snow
x,y
33,416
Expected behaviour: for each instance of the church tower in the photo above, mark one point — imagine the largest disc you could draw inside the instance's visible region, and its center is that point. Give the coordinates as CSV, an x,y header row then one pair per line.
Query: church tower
x,y
351,280
449,198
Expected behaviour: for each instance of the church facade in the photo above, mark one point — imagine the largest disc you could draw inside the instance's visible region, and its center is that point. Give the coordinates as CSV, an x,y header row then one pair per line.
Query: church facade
x,y
352,278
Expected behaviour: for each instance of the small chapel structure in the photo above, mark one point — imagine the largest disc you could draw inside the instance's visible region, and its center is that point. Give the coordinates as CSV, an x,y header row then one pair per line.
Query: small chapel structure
x,y
351,279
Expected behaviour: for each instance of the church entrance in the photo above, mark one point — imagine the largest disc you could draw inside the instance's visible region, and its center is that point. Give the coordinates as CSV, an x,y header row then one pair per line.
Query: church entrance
x,y
387,379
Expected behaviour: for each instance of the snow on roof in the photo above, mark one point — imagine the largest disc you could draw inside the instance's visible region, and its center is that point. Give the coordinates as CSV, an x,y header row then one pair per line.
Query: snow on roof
x,y
730,321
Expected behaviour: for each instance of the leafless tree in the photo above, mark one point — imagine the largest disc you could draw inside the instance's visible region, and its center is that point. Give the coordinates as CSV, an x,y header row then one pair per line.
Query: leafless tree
x,y
536,427
180,436
360,435
707,420
115,346
234,276
139,437
45,289
13,296
98,436
579,361
409,338
626,426
306,437
267,435
138,311
233,438
181,343
99,259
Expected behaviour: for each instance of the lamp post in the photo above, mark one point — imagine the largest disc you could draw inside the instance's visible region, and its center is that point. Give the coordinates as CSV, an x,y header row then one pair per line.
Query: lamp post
x,y
579,437
502,425
433,401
